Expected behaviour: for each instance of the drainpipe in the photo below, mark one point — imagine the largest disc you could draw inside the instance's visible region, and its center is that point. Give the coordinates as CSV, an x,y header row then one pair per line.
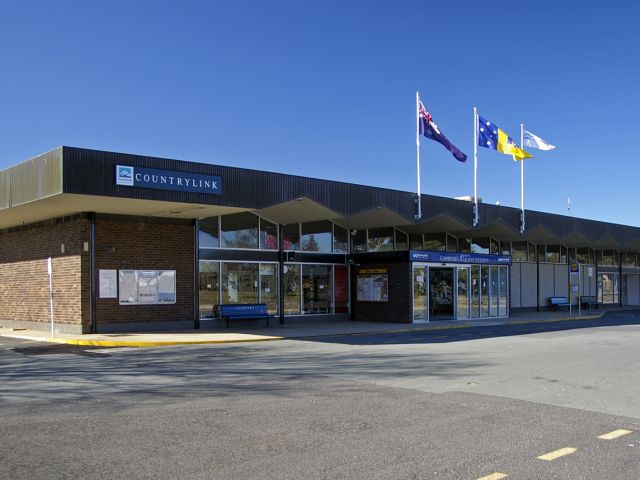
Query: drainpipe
x,y
92,271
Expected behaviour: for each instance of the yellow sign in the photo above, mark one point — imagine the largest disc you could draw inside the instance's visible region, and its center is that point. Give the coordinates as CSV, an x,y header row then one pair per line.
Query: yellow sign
x,y
372,270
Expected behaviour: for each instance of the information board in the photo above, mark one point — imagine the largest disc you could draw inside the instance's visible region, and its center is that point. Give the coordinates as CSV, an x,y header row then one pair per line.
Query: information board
x,y
147,287
108,283
373,287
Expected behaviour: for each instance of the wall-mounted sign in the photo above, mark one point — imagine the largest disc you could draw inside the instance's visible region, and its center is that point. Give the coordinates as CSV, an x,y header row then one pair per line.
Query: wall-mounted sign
x,y
108,283
372,270
452,257
168,180
373,288
574,267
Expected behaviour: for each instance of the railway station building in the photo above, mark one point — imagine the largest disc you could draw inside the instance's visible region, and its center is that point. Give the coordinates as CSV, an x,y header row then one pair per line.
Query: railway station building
x,y
139,243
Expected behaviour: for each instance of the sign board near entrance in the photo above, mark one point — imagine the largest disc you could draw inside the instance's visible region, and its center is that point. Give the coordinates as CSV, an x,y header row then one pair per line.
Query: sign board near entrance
x,y
452,257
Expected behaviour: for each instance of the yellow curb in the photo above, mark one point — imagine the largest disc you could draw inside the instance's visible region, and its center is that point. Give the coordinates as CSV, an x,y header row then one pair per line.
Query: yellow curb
x,y
554,320
130,343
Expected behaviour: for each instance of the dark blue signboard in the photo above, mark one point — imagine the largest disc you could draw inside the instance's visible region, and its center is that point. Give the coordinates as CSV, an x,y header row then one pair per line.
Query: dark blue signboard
x,y
452,257
168,180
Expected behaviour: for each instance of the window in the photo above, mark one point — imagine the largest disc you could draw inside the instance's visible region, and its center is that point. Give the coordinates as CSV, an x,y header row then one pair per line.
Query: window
x,y
630,260
465,245
380,239
553,254
519,251
209,287
435,241
563,254
317,236
480,245
208,233
583,256
340,239
268,235
239,283
360,241
542,256
494,246
452,243
291,236
532,252
505,248
607,257
291,289
416,241
402,240
317,288
239,230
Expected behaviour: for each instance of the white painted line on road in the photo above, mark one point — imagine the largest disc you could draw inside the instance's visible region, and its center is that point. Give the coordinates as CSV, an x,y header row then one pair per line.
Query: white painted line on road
x,y
494,476
557,453
615,434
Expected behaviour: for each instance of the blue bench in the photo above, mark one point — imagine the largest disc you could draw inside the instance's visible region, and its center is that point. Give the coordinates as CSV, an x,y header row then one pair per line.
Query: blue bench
x,y
245,311
556,302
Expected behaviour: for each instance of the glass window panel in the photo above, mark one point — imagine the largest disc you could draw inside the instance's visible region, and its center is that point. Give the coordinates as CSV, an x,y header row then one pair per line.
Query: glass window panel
x,y
493,291
475,292
505,248
239,283
504,286
291,236
608,288
494,246
269,286
553,254
209,287
452,243
209,235
317,289
563,254
239,230
341,288
542,256
480,245
582,255
380,239
417,242
484,292
402,240
340,239
435,241
268,235
606,257
464,244
463,293
532,252
317,236
419,294
359,241
291,289
519,251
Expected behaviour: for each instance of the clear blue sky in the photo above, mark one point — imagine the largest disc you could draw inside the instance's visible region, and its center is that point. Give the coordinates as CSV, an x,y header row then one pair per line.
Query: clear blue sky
x,y
327,89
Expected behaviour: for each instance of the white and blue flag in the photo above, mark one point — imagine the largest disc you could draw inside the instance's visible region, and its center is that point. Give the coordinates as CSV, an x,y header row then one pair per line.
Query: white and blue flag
x,y
533,141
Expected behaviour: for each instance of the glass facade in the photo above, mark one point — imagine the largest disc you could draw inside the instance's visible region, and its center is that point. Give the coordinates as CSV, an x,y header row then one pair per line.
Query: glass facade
x,y
317,236
608,288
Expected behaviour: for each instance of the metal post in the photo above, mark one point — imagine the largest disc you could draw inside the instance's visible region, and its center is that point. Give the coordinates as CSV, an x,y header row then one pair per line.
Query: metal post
x,y
522,180
419,214
476,216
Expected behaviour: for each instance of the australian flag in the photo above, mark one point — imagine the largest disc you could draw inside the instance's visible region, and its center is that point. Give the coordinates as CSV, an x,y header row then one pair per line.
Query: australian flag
x,y
429,129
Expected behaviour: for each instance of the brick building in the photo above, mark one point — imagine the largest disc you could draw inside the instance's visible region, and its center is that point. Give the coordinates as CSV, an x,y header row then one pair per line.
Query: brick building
x,y
142,243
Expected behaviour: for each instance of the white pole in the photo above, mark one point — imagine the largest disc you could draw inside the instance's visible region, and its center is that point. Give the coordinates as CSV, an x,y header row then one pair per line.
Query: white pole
x,y
419,214
522,179
476,216
50,272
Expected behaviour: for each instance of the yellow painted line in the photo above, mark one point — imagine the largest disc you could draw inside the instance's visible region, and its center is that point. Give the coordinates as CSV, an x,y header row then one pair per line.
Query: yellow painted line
x,y
557,453
615,434
494,476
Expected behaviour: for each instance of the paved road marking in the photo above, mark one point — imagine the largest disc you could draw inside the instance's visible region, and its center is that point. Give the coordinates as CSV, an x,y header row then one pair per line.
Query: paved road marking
x,y
557,453
615,434
494,476
442,336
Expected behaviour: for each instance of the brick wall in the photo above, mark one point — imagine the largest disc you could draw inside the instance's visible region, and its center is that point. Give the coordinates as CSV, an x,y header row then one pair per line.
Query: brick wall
x,y
24,282
399,307
123,244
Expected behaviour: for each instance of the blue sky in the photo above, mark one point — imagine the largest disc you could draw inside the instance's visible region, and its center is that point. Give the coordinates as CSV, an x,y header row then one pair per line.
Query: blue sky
x,y
327,89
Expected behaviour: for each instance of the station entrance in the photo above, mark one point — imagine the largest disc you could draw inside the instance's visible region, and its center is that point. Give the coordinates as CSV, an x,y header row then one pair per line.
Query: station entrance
x,y
459,292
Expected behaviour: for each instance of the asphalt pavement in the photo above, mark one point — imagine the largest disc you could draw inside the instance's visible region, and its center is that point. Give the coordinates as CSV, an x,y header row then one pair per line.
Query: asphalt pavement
x,y
452,404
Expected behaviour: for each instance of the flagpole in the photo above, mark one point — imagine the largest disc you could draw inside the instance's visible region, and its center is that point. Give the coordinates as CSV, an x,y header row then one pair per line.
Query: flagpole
x,y
476,216
418,216
522,224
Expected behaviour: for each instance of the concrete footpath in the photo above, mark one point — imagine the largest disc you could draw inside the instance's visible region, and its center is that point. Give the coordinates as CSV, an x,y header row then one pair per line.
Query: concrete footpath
x,y
281,332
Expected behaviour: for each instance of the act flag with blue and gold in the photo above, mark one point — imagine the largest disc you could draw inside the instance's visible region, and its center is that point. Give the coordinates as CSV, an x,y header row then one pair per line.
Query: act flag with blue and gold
x,y
490,136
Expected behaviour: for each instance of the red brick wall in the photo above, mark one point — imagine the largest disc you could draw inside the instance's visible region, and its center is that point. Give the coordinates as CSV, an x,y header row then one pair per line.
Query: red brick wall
x,y
147,246
24,283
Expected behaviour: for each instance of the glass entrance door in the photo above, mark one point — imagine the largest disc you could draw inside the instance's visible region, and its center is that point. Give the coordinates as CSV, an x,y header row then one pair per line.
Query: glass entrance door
x,y
419,294
441,294
462,302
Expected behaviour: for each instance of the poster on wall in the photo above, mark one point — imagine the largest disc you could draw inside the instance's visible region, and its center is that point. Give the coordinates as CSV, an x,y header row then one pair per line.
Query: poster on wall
x,y
372,287
108,283
147,287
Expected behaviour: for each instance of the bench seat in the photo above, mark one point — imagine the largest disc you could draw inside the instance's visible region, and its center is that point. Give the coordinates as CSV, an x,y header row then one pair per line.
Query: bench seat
x,y
244,311
556,302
